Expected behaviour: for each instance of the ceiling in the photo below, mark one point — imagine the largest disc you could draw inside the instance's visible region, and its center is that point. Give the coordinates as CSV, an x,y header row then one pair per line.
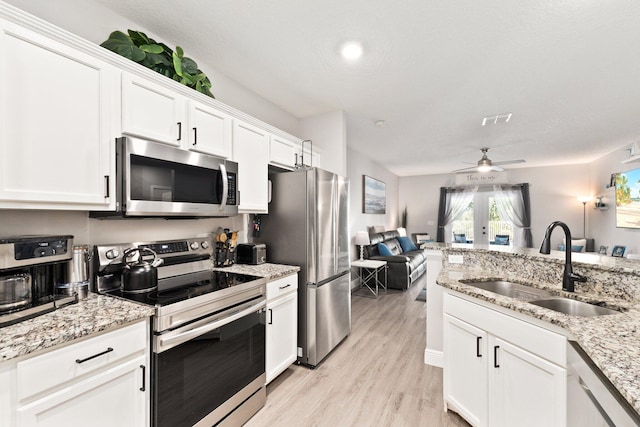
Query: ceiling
x,y
568,70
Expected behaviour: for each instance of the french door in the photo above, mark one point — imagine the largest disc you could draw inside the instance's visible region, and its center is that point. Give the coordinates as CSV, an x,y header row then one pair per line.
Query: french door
x,y
481,222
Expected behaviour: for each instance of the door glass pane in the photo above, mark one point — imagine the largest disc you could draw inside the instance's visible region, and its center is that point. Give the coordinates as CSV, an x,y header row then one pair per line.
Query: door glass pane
x,y
463,226
500,231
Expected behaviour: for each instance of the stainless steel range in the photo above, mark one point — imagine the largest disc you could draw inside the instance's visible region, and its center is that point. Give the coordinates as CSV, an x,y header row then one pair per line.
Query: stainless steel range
x,y
208,361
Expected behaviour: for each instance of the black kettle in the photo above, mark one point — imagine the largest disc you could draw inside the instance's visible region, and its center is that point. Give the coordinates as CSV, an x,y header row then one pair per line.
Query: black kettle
x,y
139,275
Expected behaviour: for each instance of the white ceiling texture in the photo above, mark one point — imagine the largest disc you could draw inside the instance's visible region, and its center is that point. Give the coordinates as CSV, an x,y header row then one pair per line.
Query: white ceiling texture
x,y
568,71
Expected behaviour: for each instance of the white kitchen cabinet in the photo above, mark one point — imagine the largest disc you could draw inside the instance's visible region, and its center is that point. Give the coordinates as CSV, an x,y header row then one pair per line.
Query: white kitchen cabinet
x,y
502,371
100,381
153,111
466,386
56,124
282,321
282,152
251,152
7,373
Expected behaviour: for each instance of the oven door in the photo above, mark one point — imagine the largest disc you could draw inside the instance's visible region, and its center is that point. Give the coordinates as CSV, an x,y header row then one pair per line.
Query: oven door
x,y
208,369
165,181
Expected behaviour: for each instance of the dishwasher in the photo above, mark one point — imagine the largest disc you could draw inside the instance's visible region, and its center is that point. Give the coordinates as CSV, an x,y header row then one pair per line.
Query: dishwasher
x,y
592,401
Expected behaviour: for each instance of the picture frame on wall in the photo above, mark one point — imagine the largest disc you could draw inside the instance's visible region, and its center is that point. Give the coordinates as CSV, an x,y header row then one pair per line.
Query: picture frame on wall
x,y
618,251
603,250
374,196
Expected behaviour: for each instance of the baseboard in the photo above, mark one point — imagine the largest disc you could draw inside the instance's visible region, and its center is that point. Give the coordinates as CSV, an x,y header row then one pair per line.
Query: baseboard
x,y
433,358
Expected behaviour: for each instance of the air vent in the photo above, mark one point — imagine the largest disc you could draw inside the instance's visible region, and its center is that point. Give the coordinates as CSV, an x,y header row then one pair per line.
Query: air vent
x,y
499,118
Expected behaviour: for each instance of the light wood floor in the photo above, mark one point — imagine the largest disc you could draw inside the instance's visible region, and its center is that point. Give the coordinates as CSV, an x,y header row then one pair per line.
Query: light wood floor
x,y
375,377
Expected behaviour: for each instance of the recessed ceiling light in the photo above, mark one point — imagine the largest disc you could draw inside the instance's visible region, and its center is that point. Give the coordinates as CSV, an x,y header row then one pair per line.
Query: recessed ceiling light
x,y
380,123
351,51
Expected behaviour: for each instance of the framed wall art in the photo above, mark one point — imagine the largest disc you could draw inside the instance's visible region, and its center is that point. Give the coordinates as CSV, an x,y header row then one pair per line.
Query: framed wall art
x,y
374,197
618,251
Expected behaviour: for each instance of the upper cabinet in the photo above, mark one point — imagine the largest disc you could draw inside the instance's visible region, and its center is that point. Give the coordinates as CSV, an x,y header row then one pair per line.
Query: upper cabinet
x,y
282,152
251,152
150,110
56,129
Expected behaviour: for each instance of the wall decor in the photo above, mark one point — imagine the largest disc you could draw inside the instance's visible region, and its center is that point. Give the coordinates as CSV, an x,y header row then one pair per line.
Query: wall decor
x,y
628,199
618,251
603,250
374,198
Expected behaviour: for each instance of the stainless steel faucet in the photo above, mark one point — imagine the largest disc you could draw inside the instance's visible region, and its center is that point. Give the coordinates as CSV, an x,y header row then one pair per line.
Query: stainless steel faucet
x,y
569,277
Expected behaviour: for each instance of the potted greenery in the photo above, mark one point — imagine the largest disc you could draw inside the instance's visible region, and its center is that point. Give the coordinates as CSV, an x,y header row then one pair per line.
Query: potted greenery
x,y
137,47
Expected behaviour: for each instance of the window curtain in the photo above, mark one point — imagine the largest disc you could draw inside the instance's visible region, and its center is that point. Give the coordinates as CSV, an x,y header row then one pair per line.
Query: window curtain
x,y
514,206
453,202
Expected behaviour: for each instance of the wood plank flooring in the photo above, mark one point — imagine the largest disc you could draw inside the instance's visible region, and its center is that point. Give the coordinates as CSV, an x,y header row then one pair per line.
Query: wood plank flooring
x,y
375,377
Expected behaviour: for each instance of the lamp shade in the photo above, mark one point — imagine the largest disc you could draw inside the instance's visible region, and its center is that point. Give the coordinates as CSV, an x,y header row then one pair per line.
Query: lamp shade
x,y
362,238
585,199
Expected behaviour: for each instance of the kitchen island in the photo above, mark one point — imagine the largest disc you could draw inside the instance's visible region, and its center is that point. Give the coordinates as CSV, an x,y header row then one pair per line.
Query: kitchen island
x,y
611,341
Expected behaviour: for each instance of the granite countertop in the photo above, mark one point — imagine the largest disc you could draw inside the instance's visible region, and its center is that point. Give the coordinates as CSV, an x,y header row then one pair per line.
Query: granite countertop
x,y
95,314
611,341
267,270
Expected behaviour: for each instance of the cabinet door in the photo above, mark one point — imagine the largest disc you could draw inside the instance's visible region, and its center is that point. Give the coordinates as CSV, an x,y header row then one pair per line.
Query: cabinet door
x,y
525,389
465,370
114,397
282,152
209,130
55,123
251,151
152,111
282,334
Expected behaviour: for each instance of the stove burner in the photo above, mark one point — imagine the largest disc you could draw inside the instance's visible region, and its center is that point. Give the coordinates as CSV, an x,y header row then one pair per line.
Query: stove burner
x,y
168,294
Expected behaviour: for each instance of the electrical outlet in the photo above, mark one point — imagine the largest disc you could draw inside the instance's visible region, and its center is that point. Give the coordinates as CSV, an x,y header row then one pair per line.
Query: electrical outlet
x,y
455,259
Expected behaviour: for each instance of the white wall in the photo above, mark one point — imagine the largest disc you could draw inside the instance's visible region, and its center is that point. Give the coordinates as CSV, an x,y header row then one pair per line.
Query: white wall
x,y
94,22
358,165
603,223
554,191
329,133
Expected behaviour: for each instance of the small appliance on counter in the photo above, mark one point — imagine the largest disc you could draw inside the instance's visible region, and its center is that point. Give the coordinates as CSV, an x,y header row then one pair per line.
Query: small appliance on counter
x,y
251,253
31,269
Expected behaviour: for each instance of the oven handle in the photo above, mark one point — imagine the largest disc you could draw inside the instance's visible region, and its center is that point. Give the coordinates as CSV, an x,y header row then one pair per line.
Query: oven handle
x,y
201,330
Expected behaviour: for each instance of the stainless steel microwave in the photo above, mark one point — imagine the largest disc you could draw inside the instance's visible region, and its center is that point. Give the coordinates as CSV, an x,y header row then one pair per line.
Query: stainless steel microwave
x,y
157,180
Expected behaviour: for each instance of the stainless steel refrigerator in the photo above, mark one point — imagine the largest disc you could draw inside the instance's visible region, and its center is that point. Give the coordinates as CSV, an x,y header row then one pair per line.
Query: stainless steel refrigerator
x,y
308,226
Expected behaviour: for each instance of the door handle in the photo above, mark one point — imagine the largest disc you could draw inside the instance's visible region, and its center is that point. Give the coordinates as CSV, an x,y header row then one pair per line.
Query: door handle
x,y
144,379
495,356
270,316
195,136
179,131
478,339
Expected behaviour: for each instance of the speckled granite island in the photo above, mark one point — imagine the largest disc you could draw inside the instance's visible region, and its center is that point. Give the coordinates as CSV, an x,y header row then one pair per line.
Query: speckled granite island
x,y
611,341
95,314
267,270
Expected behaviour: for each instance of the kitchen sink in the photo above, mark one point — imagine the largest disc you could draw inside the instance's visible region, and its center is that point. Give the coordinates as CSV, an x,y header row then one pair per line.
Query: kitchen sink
x,y
573,307
512,290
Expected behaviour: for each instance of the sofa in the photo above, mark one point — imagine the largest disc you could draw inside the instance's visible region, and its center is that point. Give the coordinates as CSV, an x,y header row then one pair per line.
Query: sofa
x,y
403,267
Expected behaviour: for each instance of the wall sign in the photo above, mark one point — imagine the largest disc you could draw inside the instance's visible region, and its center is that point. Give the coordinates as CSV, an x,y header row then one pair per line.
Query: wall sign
x,y
482,178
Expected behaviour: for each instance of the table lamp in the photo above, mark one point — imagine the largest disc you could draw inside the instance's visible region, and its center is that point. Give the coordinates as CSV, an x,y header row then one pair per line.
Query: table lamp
x,y
362,239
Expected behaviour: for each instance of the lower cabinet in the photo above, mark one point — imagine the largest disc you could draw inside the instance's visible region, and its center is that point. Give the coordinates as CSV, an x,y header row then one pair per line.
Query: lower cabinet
x,y
282,325
502,371
100,381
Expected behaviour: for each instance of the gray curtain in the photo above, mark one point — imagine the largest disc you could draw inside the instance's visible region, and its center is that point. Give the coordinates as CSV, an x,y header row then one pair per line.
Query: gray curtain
x,y
453,202
513,206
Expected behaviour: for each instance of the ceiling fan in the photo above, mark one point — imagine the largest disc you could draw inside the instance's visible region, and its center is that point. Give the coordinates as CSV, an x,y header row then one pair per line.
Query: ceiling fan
x,y
485,164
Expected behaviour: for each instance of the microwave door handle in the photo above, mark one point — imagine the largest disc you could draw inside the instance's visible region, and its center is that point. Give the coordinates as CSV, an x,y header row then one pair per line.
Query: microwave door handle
x,y
225,187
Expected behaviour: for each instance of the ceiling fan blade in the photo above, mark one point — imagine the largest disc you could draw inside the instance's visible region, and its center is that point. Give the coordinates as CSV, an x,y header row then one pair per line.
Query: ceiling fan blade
x,y
497,168
508,162
465,169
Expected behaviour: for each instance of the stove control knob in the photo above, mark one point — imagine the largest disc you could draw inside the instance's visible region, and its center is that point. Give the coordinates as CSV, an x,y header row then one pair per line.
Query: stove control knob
x,y
205,245
194,245
112,254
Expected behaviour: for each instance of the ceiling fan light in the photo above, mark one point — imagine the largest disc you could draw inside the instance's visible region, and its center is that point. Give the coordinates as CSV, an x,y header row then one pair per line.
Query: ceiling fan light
x,y
484,168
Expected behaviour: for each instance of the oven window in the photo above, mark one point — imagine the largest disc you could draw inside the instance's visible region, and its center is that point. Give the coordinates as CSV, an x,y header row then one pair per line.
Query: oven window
x,y
164,181
196,377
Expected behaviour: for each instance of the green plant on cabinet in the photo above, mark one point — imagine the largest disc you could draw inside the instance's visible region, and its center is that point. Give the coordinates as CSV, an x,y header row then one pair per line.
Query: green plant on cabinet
x,y
158,57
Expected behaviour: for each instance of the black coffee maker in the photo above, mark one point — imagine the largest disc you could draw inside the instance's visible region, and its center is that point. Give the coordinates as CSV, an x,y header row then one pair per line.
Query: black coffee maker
x,y
31,267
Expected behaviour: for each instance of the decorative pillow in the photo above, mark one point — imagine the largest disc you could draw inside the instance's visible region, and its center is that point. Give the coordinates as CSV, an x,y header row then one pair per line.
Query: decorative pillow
x,y
574,248
384,250
406,244
576,243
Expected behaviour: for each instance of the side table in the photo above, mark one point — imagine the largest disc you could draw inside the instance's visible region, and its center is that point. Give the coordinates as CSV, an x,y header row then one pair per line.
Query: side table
x,y
368,270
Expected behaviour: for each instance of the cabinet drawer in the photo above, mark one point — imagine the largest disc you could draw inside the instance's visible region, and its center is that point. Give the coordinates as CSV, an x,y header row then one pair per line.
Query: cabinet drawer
x,y
282,286
537,340
56,367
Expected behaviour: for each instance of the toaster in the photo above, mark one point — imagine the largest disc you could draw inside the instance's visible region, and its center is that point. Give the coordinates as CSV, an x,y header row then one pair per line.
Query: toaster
x,y
251,253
